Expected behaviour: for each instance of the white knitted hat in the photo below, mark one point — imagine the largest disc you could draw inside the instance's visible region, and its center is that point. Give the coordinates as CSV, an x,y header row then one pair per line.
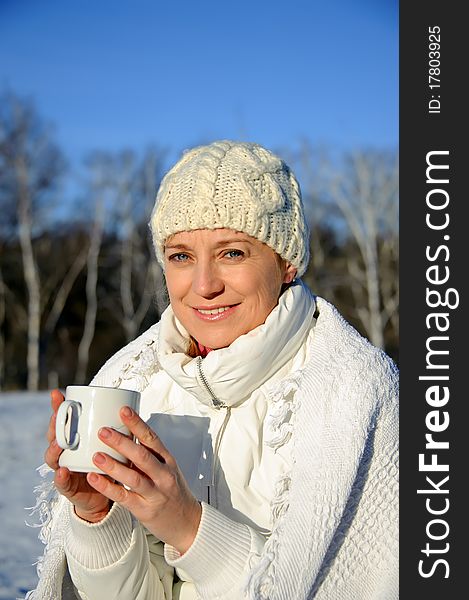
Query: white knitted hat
x,y
234,185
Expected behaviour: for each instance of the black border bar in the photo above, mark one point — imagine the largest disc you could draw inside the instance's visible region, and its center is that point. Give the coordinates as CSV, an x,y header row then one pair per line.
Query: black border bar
x,y
434,330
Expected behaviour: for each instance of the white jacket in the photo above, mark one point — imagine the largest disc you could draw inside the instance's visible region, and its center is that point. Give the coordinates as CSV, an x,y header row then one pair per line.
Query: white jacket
x,y
289,435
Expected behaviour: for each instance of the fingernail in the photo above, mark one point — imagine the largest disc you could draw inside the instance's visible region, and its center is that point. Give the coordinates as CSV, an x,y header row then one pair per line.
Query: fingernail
x,y
93,478
104,432
99,458
127,411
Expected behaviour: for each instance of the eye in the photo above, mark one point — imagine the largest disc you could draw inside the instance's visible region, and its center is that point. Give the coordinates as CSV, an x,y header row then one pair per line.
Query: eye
x,y
234,253
178,257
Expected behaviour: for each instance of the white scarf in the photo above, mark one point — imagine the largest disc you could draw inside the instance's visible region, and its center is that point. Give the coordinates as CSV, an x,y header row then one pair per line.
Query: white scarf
x,y
236,371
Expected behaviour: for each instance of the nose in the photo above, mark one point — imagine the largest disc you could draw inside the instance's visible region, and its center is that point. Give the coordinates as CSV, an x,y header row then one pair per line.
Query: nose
x,y
207,281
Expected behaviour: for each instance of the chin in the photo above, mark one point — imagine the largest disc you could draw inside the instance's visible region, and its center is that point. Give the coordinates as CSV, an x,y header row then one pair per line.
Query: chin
x,y
215,342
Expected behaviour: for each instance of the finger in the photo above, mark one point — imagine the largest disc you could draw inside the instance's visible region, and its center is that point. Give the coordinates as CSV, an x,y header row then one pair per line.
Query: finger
x,y
50,435
141,456
133,478
113,491
56,400
51,455
63,481
146,435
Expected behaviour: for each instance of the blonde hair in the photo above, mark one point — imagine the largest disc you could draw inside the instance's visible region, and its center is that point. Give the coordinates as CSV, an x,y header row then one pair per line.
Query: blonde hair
x,y
193,348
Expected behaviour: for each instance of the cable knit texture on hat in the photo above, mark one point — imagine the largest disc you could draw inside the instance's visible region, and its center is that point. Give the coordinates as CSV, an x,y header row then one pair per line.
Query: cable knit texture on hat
x,y
234,185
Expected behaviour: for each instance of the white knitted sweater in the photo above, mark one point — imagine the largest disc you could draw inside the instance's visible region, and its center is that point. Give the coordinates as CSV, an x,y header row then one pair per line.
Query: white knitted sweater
x,y
335,532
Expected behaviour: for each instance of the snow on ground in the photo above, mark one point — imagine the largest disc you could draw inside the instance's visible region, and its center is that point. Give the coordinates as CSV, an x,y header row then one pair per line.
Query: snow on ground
x,y
23,422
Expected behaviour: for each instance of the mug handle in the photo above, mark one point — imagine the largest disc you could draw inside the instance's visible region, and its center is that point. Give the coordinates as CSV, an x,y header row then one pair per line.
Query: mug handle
x,y
60,424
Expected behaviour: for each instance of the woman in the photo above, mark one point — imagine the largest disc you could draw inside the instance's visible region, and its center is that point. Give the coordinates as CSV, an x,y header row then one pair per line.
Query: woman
x,y
267,459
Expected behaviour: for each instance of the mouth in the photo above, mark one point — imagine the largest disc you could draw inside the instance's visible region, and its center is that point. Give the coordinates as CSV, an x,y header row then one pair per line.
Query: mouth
x,y
213,311
216,313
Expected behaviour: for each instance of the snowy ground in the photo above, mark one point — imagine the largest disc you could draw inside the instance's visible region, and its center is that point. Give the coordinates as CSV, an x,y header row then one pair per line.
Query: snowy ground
x,y
23,423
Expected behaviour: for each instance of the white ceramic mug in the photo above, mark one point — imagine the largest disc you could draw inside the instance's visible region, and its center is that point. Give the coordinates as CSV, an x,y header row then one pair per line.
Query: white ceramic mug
x,y
84,411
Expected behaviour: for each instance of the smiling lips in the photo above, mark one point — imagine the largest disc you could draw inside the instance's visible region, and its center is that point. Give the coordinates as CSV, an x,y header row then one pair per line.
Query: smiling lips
x,y
215,314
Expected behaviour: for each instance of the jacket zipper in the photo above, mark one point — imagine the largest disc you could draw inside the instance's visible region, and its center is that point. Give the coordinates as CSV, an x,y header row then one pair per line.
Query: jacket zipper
x,y
218,404
215,401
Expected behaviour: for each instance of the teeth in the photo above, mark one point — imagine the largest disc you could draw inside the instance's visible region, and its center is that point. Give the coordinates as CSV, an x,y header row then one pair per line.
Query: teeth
x,y
214,311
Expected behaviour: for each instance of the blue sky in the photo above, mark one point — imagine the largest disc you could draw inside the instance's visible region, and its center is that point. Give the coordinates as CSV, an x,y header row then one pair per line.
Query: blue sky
x,y
114,74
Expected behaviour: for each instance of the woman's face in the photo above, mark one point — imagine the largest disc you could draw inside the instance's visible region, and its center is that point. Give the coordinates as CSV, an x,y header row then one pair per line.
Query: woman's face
x,y
222,283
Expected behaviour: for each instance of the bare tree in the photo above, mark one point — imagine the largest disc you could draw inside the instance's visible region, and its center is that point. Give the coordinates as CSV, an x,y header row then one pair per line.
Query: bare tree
x,y
151,173
31,274
365,190
100,165
128,217
351,204
311,164
30,165
136,187
64,288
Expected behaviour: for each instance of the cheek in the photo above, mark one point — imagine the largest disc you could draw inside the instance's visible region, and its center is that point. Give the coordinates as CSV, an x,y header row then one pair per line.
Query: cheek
x,y
271,292
263,288
176,284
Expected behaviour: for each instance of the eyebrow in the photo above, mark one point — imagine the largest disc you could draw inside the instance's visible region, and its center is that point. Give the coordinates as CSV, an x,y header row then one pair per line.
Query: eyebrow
x,y
217,245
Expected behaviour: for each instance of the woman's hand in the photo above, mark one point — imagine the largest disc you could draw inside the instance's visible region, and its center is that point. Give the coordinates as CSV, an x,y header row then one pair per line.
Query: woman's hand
x,y
159,496
89,503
